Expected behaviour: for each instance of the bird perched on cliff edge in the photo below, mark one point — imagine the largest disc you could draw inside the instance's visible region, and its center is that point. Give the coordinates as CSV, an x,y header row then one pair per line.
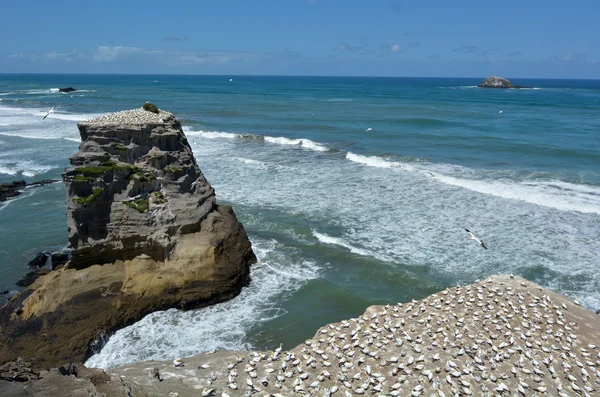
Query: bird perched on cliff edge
x,y
473,237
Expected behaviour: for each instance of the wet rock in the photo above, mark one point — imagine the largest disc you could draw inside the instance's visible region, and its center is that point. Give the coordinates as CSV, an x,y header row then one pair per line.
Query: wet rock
x,y
58,258
39,260
11,189
67,89
30,277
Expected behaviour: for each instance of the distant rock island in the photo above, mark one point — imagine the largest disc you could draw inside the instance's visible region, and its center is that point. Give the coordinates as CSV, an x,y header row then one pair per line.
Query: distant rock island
x,y
66,89
145,234
498,82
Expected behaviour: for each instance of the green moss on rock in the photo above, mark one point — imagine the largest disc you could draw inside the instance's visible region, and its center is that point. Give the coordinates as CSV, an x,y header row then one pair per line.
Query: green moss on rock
x,y
158,197
139,204
118,146
171,169
81,178
108,165
86,200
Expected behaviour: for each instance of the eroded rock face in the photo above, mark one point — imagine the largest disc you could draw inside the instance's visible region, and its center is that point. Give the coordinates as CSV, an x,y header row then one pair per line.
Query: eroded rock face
x,y
145,234
496,82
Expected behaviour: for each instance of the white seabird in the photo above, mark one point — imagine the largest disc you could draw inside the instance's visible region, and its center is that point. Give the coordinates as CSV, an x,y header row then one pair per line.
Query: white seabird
x,y
369,129
49,111
473,237
500,112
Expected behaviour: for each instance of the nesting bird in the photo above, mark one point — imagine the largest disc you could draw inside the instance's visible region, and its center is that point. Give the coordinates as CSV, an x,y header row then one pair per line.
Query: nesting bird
x,y
500,336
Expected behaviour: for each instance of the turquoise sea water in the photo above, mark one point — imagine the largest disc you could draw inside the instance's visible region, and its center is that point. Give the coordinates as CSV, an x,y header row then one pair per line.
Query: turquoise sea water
x,y
340,218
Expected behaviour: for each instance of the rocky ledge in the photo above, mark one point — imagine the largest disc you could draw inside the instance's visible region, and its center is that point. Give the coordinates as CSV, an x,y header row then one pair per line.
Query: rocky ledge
x,y
145,234
498,82
503,336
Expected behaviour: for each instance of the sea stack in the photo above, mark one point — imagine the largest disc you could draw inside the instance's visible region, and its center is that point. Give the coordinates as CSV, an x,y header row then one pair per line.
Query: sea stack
x,y
496,82
145,234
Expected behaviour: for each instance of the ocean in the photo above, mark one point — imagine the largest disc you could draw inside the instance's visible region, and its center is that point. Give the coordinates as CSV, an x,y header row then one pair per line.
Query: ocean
x,y
339,217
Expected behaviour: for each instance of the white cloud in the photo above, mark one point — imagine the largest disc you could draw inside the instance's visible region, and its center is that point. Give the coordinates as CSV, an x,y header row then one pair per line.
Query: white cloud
x,y
393,48
27,57
108,54
64,56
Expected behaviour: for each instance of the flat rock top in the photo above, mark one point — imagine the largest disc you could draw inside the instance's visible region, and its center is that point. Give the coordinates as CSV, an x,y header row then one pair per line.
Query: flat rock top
x,y
502,336
133,116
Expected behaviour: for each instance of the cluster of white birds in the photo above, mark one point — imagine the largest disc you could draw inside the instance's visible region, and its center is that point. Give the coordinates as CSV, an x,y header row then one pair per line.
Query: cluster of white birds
x,y
502,336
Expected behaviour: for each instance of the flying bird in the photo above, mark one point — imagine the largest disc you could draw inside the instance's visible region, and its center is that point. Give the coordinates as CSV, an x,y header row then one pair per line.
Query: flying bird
x,y
369,129
49,111
473,237
500,112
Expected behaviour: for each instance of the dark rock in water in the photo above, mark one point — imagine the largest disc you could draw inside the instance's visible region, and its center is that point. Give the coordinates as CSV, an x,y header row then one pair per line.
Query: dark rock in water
x,y
4,292
499,82
11,189
67,89
43,182
58,258
39,260
30,277
145,233
496,82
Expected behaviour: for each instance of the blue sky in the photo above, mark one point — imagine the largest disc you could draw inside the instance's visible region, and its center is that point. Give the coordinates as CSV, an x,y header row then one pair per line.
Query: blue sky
x,y
526,38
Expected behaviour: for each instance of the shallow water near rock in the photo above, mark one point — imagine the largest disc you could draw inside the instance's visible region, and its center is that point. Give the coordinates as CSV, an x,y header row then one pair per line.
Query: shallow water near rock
x,y
339,218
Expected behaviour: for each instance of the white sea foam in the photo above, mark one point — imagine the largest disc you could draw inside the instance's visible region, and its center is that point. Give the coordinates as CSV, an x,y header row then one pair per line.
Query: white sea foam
x,y
373,161
306,143
8,170
300,142
560,195
173,333
10,116
341,242
210,134
383,206
73,117
26,168
583,199
337,100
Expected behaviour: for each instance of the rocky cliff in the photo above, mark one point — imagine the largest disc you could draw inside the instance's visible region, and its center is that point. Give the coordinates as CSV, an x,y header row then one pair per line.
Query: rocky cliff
x,y
145,234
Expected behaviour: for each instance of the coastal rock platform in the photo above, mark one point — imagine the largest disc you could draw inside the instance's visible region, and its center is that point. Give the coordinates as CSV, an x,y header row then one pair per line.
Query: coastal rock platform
x,y
500,336
503,336
145,234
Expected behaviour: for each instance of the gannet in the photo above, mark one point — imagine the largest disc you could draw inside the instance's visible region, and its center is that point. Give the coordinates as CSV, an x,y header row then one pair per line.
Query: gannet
x,y
473,237
49,111
369,129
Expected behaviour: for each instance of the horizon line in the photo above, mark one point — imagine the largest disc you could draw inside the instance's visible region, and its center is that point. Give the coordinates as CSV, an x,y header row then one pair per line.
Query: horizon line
x,y
288,75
